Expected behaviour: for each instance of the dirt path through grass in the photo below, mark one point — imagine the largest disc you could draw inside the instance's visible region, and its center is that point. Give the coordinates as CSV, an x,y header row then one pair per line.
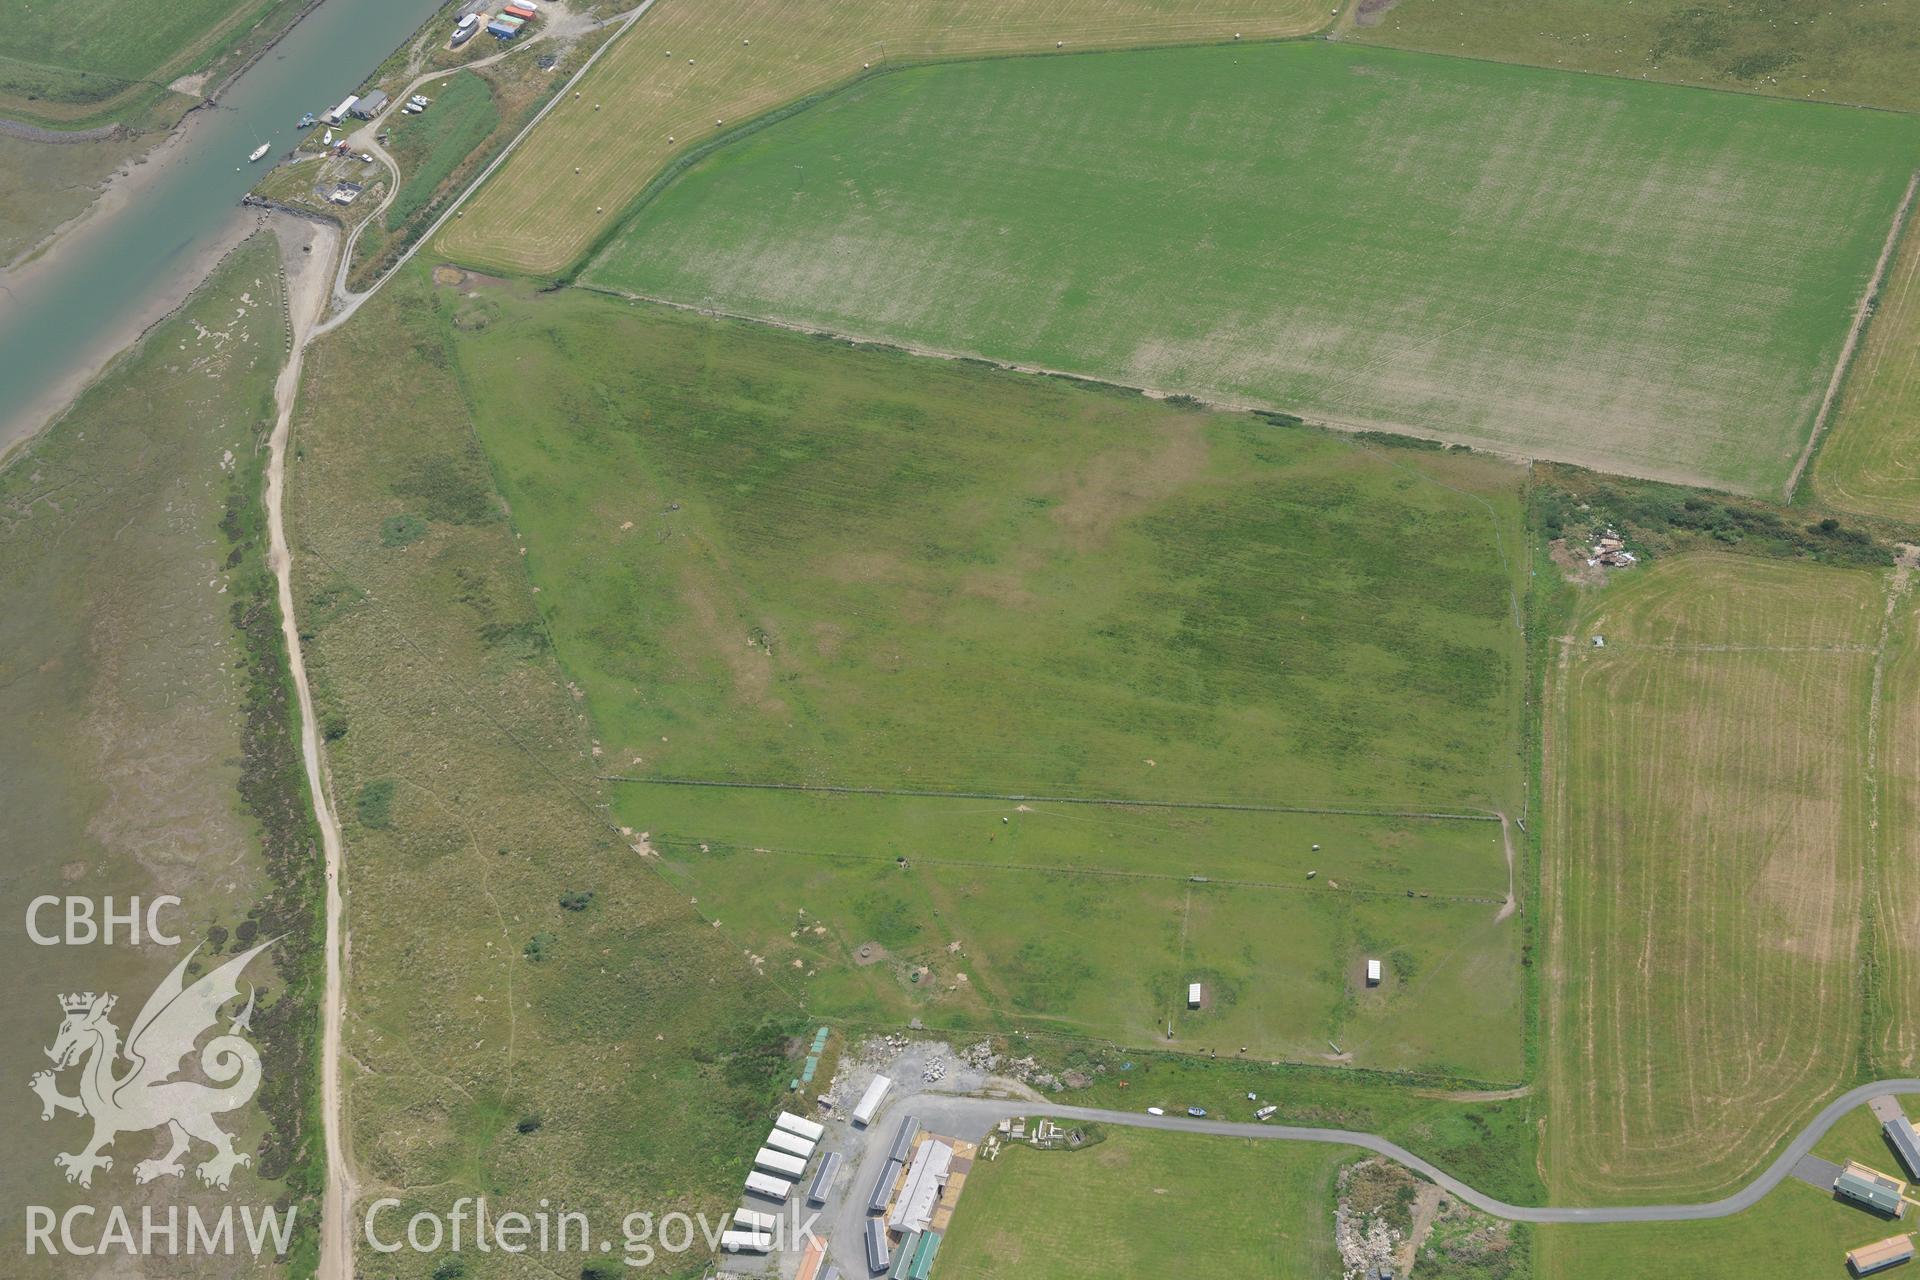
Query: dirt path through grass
x,y
306,299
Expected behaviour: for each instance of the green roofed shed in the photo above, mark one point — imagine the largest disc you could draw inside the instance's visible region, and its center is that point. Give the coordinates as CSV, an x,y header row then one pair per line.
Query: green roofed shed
x,y
1865,1187
903,1260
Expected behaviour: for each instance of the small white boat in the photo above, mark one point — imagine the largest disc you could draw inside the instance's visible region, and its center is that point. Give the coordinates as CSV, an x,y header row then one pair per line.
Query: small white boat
x,y
259,151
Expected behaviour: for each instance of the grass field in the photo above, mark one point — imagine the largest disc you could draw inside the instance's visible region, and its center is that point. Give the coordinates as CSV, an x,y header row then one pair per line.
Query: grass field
x,y
611,1057
1867,462
80,61
1896,1048
1707,857
429,146
1524,260
771,558
768,559
145,735
1860,51
1142,1204
685,68
1794,1233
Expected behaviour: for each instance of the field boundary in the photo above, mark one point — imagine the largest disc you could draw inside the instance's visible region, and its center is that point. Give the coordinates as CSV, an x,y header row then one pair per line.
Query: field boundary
x,y
1465,815
1112,873
1863,313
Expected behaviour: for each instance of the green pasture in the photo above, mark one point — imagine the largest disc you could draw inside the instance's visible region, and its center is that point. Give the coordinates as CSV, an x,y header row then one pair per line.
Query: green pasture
x,y
769,558
1794,1233
1632,276
60,58
971,947
430,145
1141,1203
766,557
1371,853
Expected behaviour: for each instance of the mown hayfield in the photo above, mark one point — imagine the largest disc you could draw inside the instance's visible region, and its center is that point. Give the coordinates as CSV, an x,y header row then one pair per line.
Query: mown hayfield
x,y
775,561
1869,461
1142,1204
663,92
1637,277
1898,850
1706,863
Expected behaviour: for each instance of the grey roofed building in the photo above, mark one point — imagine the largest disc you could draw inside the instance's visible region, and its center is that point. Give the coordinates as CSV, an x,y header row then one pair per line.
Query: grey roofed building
x,y
883,1187
1906,1143
369,105
823,1178
903,1139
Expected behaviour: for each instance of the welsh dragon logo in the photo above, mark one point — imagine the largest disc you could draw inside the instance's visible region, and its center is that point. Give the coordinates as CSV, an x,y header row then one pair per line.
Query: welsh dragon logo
x,y
149,1093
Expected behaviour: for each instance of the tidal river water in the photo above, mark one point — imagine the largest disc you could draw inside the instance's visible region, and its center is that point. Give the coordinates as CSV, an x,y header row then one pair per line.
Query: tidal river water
x,y
61,315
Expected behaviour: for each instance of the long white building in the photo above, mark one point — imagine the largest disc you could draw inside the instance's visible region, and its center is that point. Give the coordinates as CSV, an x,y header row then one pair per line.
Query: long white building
x,y
926,1179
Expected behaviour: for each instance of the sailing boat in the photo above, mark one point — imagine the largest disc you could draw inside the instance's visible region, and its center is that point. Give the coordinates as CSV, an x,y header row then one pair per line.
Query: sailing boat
x,y
259,151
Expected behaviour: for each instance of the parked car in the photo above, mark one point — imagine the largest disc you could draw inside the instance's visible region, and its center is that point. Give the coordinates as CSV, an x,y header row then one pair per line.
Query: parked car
x,y
1196,1112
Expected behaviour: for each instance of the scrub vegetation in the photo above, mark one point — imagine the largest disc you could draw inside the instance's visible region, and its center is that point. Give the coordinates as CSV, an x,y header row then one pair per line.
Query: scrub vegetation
x,y
1858,51
1630,276
639,1039
687,74
148,738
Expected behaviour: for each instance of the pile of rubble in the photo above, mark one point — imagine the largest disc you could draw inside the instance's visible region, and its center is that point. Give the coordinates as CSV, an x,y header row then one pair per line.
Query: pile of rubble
x,y
1609,549
934,1072
980,1057
1028,1072
1366,1245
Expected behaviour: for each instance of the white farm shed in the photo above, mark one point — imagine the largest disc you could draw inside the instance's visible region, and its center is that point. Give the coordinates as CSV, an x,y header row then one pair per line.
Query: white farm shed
x,y
1193,995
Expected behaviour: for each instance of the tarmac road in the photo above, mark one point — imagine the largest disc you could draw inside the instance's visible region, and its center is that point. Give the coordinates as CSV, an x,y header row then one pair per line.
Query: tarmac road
x,y
972,1117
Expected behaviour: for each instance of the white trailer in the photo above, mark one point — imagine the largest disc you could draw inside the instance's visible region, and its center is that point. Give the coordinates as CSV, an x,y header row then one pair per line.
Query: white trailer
x,y
870,1101
765,1184
767,1160
807,1129
748,1220
1373,973
791,1143
1193,995
745,1241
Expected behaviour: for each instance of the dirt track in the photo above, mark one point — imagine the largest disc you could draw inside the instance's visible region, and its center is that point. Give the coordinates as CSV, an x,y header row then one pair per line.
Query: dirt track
x,y
307,275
